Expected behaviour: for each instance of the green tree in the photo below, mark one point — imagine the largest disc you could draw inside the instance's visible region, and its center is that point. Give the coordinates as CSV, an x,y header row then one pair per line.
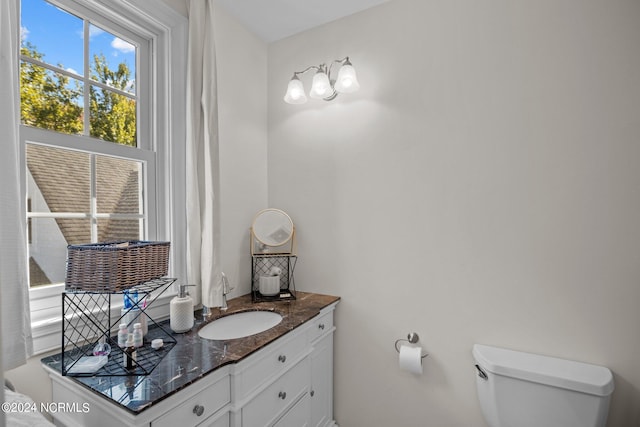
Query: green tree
x,y
47,100
53,101
112,116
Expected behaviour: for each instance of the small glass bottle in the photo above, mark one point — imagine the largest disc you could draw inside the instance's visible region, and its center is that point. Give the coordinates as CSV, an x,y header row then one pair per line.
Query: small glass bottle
x,y
129,354
102,348
137,335
123,333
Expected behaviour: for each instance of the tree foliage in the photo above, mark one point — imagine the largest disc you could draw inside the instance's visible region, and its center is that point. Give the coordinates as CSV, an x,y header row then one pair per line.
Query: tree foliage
x,y
113,116
47,100
54,101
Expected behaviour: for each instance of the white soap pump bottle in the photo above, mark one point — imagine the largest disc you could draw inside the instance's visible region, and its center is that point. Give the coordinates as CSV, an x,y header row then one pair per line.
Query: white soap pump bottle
x,y
181,311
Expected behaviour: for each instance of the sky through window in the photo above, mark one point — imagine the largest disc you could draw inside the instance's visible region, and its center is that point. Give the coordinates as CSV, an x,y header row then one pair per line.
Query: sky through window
x,y
62,44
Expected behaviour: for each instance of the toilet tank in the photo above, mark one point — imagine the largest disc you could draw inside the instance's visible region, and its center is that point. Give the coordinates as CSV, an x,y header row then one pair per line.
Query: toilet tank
x,y
519,389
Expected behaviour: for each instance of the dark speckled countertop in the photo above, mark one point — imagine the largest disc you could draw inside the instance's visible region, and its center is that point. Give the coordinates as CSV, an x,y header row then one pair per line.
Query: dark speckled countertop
x,y
193,357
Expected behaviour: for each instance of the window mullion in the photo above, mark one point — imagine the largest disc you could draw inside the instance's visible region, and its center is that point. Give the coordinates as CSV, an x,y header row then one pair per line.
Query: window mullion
x,y
61,215
94,200
119,216
112,89
93,210
50,67
143,201
85,80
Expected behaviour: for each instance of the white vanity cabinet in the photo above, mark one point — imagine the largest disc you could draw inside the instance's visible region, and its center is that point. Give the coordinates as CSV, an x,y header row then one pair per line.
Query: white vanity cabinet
x,y
321,358
287,383
298,415
202,409
205,402
290,382
274,401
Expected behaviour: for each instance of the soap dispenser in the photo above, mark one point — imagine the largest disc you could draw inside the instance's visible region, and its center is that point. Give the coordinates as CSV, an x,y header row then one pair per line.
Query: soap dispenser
x,y
181,311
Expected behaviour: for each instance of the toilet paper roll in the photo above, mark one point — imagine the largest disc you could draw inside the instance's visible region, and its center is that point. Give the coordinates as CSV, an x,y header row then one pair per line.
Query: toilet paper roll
x,y
410,359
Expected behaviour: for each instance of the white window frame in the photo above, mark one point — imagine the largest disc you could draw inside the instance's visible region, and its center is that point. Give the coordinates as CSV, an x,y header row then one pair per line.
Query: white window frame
x,y
162,142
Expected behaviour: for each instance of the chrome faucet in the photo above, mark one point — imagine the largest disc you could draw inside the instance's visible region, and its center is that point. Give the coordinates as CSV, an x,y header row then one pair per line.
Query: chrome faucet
x,y
225,290
206,311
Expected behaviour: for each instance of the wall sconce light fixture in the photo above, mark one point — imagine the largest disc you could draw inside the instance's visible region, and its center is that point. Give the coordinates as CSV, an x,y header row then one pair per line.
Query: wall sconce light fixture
x,y
322,87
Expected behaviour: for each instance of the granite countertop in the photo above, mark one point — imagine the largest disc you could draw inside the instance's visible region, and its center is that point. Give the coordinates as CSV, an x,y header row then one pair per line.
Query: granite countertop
x,y
193,357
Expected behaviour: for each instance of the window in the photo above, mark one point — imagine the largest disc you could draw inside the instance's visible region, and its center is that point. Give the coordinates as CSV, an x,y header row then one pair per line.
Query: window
x,y
79,197
84,182
99,165
77,76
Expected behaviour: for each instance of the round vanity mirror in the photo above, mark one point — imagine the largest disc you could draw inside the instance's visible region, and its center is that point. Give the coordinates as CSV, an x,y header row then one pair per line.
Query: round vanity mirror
x,y
272,227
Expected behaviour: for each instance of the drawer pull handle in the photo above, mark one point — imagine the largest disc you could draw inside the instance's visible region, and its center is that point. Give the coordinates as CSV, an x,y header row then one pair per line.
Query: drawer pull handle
x,y
321,326
282,395
198,410
282,358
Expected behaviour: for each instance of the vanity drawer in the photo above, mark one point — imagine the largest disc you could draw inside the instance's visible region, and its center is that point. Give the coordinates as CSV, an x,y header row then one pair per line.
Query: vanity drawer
x,y
272,401
298,415
320,326
254,372
197,408
220,420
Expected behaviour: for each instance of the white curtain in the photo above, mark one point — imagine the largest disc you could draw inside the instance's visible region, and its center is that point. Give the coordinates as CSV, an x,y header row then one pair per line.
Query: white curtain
x,y
14,304
203,172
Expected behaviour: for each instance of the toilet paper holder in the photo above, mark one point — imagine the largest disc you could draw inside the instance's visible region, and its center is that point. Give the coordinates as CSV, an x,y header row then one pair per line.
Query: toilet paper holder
x,y
412,338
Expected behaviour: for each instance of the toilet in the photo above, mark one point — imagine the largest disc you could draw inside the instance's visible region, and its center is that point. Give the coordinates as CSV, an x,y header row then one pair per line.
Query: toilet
x,y
519,389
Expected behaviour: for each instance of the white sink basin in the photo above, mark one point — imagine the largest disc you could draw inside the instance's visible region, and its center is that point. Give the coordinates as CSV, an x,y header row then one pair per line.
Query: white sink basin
x,y
240,325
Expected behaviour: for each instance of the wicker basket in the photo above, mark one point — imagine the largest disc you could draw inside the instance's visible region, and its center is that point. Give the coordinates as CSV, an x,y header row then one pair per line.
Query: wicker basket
x,y
115,266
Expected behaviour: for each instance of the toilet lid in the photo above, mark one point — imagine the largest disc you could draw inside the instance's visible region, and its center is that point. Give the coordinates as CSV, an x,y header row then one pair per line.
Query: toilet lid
x,y
568,374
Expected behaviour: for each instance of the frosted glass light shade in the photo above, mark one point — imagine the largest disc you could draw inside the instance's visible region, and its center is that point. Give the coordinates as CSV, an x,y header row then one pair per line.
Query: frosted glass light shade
x,y
347,82
295,92
320,87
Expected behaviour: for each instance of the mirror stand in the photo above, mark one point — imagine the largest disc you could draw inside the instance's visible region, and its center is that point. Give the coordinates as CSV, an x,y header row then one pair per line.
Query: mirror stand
x,y
259,248
273,256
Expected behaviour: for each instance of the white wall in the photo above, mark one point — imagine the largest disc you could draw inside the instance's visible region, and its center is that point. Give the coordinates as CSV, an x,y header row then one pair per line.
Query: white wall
x,y
179,6
482,187
242,95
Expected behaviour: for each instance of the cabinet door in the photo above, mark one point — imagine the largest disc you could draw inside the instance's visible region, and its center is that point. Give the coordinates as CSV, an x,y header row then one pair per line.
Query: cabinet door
x,y
205,403
216,421
321,393
274,400
297,416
